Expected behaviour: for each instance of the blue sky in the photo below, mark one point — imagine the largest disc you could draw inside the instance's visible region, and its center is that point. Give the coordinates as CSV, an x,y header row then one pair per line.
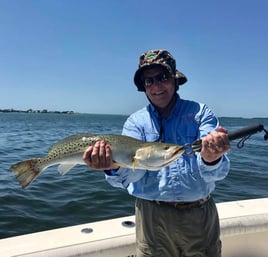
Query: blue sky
x,y
81,55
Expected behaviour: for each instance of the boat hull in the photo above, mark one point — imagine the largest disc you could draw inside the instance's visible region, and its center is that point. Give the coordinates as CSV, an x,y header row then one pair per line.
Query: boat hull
x,y
244,232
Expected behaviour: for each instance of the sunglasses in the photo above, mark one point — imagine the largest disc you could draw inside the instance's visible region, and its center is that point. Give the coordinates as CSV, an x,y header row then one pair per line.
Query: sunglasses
x,y
149,81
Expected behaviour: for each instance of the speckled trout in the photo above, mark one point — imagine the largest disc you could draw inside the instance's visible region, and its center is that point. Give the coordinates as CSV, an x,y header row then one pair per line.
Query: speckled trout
x,y
127,152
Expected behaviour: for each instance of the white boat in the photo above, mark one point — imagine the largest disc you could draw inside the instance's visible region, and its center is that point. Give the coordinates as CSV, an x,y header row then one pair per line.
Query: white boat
x,y
244,229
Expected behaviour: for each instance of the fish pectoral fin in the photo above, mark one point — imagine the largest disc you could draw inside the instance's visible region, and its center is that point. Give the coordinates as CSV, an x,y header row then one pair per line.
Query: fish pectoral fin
x,y
64,168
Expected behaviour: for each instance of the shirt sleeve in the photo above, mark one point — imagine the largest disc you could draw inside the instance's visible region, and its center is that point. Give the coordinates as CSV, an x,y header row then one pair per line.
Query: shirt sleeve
x,y
123,177
211,173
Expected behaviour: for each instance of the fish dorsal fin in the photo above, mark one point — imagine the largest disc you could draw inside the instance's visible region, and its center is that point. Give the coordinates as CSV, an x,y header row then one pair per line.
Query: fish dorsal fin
x,y
64,168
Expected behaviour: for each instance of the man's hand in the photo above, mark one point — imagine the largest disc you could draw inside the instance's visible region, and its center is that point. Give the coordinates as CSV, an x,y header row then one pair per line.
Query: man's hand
x,y
215,145
99,157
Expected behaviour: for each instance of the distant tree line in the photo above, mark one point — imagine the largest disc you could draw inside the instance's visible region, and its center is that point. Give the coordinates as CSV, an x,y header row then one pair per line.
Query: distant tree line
x,y
35,111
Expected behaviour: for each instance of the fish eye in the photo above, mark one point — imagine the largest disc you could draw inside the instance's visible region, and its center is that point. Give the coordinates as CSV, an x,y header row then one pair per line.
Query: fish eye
x,y
166,147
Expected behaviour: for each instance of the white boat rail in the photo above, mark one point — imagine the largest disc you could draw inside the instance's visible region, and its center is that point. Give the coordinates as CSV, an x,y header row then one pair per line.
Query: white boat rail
x,y
244,229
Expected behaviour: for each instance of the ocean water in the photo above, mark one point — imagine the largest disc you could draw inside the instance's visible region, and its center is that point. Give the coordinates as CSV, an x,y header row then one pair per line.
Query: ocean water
x,y
82,196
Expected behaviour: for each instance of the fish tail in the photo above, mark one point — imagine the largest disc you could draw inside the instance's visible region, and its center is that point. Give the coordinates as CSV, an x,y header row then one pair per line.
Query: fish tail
x,y
27,171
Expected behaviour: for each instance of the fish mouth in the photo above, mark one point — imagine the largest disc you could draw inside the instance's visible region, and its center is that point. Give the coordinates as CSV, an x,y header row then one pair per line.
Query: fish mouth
x,y
174,156
178,152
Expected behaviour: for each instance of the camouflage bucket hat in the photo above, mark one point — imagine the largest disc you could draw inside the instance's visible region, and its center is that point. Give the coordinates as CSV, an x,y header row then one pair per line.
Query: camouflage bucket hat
x,y
155,58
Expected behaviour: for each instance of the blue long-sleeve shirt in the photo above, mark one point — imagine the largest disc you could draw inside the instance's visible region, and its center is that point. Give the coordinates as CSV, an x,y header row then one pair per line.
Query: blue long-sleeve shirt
x,y
186,179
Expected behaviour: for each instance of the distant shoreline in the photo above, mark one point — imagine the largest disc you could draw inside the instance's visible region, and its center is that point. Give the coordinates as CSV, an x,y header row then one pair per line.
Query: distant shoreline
x,y
36,111
72,112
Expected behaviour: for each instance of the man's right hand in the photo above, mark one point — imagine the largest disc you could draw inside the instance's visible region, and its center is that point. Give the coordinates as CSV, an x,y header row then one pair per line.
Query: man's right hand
x,y
99,157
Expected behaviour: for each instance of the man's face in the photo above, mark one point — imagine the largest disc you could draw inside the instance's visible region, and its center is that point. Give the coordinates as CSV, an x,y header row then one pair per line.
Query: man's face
x,y
160,87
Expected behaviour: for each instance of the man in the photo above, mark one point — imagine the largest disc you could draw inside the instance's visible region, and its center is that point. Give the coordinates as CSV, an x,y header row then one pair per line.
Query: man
x,y
175,214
